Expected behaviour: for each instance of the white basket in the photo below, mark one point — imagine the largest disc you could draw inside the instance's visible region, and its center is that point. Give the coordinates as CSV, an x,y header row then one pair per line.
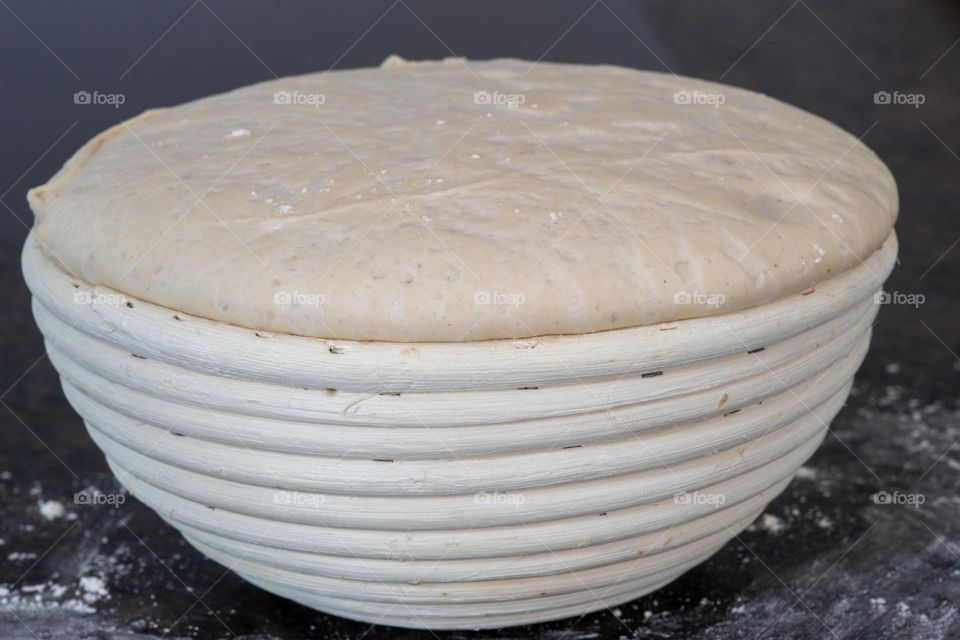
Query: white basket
x,y
458,485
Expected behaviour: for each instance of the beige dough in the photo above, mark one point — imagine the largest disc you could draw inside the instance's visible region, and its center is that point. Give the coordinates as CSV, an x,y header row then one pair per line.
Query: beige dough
x,y
400,204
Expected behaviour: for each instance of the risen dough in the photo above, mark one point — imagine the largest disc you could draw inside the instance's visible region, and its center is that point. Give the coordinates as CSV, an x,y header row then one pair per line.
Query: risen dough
x,y
400,204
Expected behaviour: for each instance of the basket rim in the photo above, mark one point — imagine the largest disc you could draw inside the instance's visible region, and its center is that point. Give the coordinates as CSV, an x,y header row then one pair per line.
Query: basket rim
x,y
224,349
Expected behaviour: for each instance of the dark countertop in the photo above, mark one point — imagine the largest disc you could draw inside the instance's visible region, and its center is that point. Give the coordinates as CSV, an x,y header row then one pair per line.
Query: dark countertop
x,y
827,560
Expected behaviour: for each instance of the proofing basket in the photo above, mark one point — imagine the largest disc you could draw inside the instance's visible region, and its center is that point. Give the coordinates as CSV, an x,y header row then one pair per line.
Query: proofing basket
x,y
457,485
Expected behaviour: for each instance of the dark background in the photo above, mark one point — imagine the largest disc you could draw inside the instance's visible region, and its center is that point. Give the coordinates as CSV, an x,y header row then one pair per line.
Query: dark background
x,y
841,566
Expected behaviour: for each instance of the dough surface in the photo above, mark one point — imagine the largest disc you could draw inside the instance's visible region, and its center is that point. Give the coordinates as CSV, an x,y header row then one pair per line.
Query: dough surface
x,y
463,200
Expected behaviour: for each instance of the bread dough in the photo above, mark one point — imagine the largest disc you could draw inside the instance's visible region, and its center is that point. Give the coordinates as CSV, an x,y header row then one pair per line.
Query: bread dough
x,y
462,200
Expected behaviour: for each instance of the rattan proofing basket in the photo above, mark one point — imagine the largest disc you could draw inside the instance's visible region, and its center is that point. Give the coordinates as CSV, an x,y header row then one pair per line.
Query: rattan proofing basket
x,y
458,485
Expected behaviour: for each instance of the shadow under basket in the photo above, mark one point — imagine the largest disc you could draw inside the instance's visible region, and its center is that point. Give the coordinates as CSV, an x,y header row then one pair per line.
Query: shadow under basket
x,y
458,485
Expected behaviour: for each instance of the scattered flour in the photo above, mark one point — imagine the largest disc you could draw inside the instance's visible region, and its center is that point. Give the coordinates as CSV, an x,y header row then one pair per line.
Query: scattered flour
x,y
51,509
93,588
807,473
880,604
41,597
772,524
